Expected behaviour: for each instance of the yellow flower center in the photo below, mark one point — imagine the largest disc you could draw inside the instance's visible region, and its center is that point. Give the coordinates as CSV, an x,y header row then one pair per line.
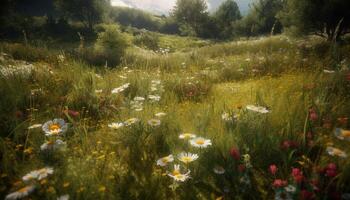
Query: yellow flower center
x,y
176,172
165,159
186,159
23,190
54,127
345,134
200,142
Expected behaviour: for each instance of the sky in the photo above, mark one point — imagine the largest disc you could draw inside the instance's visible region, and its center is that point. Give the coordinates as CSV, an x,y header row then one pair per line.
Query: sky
x,y
164,6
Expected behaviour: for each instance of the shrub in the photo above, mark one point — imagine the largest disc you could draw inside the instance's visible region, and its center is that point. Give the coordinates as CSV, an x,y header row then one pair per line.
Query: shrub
x,y
110,46
147,40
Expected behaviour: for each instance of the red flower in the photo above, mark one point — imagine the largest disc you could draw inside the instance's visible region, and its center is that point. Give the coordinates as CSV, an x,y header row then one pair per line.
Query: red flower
x,y
241,168
331,170
313,115
297,175
347,76
235,153
273,169
305,195
278,183
71,113
288,144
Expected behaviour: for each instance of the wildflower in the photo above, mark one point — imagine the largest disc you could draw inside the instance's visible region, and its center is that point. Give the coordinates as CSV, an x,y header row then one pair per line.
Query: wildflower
x,y
21,193
178,176
281,195
288,144
200,142
278,183
165,160
313,115
297,175
154,97
290,189
115,126
139,99
241,168
120,89
226,116
35,126
331,170
55,127
63,197
154,122
160,114
342,134
187,157
304,195
56,145
336,152
131,121
273,169
343,120
235,153
258,109
219,170
329,71
187,136
98,91
38,174
72,113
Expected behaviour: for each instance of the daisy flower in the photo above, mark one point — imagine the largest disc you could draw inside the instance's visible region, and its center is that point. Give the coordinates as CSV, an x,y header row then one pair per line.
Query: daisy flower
x,y
187,136
58,144
115,126
160,114
200,142
336,152
154,97
329,71
219,170
21,193
342,134
154,122
290,189
139,99
178,176
55,127
258,109
187,157
35,126
165,160
131,121
38,174
120,89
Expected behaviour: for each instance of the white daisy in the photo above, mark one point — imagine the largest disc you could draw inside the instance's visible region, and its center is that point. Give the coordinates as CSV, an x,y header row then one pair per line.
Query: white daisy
x,y
258,109
329,71
21,193
35,126
160,114
120,89
336,152
187,136
52,146
131,121
290,189
154,122
342,134
178,176
38,174
139,99
200,142
55,127
187,157
63,197
165,160
115,125
219,170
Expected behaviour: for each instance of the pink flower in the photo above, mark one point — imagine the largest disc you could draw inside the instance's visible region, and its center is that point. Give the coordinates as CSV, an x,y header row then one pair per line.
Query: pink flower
x,y
288,144
273,169
313,115
297,175
306,195
278,183
235,153
331,170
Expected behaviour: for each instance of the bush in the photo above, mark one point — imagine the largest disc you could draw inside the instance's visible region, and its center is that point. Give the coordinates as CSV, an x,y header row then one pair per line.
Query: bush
x,y
147,40
110,46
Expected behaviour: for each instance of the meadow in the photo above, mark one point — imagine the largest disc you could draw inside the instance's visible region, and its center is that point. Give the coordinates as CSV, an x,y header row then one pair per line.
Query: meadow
x,y
259,118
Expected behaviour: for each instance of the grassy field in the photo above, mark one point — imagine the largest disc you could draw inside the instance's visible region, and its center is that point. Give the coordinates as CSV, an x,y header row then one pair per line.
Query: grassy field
x,y
265,118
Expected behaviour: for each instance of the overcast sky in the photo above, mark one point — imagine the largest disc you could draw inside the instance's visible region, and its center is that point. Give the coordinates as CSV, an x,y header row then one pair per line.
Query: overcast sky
x,y
164,6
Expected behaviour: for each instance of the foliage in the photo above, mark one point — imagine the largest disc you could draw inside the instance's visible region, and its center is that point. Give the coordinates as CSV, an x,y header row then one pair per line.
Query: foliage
x,y
147,40
329,19
225,16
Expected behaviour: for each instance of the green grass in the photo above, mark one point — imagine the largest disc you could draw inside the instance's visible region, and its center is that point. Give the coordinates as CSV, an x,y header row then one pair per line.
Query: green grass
x,y
282,74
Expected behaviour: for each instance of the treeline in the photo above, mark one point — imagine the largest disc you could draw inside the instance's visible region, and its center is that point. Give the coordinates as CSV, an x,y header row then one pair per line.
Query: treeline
x,y
62,18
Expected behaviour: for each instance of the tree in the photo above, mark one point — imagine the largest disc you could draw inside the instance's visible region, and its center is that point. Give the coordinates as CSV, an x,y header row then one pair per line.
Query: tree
x,y
227,13
262,18
191,14
327,18
89,12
